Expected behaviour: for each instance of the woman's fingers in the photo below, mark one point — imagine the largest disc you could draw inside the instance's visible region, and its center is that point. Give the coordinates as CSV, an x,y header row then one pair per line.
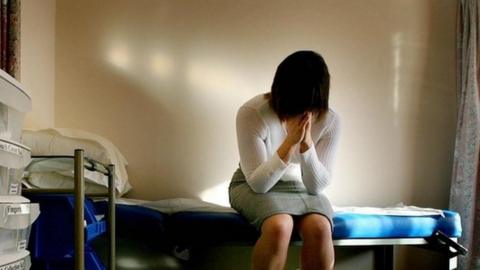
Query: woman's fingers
x,y
304,125
309,120
305,120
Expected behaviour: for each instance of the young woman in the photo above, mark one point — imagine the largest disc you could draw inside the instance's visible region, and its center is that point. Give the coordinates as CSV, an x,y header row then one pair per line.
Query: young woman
x,y
287,140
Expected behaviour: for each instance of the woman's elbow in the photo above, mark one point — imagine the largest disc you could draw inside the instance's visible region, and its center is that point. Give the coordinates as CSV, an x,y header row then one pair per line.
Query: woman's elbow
x,y
318,187
261,189
314,191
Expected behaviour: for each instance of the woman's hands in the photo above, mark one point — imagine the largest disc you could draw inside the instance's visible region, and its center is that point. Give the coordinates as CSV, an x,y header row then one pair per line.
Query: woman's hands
x,y
297,128
307,138
298,133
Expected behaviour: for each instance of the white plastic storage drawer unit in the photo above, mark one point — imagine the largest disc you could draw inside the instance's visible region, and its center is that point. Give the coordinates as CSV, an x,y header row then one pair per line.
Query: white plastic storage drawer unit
x,y
14,158
14,103
15,261
16,217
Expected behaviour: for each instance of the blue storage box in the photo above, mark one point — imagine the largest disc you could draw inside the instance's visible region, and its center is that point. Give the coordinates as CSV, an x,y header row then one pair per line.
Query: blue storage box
x,y
92,262
52,235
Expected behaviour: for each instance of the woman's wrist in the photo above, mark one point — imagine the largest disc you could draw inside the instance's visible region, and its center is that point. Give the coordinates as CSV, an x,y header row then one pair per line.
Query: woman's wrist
x,y
286,150
305,145
289,142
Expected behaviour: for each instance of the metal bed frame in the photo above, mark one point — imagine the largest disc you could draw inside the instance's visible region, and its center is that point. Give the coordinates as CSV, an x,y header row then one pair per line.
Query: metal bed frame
x,y
384,248
81,162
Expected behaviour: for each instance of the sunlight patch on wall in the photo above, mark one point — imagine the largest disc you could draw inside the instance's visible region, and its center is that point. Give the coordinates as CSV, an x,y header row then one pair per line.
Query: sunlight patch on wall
x,y
217,194
217,78
119,56
396,44
162,65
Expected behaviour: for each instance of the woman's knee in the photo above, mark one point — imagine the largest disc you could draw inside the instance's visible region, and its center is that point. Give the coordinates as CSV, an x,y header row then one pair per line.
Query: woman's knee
x,y
278,227
315,226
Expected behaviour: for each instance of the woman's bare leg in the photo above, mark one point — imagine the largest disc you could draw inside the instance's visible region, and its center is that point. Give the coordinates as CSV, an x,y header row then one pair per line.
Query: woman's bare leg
x,y
270,251
317,251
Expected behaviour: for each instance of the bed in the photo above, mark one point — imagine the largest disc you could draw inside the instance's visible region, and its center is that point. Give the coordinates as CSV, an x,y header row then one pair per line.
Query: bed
x,y
183,226
186,225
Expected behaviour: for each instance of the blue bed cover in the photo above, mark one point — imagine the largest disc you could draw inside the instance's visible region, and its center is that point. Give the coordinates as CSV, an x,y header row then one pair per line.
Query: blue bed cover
x,y
216,227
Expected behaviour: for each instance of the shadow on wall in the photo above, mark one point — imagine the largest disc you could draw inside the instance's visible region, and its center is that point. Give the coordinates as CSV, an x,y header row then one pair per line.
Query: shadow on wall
x,y
437,110
433,156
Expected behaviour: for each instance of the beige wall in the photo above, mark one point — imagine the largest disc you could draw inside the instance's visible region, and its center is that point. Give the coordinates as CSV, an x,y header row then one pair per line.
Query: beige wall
x,y
163,81
38,60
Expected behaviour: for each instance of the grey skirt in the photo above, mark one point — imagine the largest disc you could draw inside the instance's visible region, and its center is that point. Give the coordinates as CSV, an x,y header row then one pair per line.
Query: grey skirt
x,y
285,197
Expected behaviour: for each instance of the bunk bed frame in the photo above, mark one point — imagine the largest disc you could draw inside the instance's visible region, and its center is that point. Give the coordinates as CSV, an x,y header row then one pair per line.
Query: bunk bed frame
x,y
81,162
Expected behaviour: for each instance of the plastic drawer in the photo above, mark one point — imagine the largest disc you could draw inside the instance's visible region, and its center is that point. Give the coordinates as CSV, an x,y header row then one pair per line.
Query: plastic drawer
x,y
16,218
14,103
11,122
15,261
10,181
14,157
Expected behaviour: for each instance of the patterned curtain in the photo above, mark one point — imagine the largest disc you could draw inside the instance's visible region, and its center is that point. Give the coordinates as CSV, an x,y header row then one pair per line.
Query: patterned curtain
x,y
10,37
465,186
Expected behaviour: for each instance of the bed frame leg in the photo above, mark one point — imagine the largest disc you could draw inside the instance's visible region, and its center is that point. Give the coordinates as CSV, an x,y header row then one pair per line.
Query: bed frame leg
x,y
452,263
383,258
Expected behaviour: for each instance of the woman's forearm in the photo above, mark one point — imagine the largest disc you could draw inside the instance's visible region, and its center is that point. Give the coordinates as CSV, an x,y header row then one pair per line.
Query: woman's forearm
x,y
286,150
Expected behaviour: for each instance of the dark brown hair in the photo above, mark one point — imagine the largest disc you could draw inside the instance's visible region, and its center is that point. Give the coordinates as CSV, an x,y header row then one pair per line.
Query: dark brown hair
x,y
301,84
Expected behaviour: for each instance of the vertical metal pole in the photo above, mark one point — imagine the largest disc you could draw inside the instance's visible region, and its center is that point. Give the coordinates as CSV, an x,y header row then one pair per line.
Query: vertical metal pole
x,y
111,216
390,257
384,258
79,228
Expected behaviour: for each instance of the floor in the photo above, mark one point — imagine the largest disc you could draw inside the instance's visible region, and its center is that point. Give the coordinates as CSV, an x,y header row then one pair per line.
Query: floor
x,y
134,255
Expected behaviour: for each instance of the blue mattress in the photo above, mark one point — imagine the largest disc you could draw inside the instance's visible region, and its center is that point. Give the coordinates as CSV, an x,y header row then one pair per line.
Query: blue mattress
x,y
351,226
192,228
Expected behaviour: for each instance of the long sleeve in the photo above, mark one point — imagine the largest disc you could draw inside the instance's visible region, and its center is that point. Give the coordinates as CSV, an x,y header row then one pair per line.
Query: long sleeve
x,y
316,162
261,171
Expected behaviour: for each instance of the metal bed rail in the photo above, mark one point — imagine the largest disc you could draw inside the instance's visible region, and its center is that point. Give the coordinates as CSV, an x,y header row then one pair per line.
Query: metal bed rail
x,y
81,162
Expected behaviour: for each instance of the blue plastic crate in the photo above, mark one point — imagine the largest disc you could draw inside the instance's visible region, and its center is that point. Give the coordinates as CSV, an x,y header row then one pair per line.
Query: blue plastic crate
x,y
92,262
52,235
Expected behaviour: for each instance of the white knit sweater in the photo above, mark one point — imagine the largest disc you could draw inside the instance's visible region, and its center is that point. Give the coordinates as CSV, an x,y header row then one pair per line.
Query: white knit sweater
x,y
260,133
